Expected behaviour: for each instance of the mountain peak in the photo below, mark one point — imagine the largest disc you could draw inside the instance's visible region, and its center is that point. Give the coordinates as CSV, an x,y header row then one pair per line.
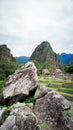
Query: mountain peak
x,y
45,43
46,57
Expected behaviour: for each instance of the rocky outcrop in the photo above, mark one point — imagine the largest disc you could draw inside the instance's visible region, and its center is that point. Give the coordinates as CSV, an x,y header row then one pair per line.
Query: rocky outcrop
x,y
20,84
5,54
53,110
45,57
20,118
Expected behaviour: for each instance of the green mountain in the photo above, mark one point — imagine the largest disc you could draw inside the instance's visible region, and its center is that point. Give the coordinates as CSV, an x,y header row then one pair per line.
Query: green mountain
x,y
5,54
8,63
45,57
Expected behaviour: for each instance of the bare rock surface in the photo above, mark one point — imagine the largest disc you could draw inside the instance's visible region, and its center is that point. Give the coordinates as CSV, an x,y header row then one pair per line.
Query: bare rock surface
x,y
20,118
9,123
53,110
43,92
20,84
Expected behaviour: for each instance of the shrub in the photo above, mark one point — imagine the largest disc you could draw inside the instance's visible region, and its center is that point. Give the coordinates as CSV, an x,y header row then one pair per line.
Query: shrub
x,y
7,68
40,124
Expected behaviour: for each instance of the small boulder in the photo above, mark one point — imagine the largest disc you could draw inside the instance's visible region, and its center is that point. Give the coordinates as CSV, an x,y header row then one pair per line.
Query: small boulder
x,y
43,92
45,72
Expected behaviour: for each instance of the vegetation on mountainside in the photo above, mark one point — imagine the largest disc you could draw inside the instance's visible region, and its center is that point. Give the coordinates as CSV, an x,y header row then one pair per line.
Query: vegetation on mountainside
x,y
8,63
7,68
5,54
44,57
2,82
69,67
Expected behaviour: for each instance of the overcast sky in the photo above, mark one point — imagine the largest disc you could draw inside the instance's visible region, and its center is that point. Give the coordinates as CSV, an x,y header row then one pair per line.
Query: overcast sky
x,y
24,24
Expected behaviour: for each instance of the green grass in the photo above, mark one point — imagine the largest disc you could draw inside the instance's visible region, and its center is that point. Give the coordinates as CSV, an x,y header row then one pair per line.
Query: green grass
x,y
59,90
29,100
3,106
37,91
2,82
64,88
66,93
40,124
47,79
51,88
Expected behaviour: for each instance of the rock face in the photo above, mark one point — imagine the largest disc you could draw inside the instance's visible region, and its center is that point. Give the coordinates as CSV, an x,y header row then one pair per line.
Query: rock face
x,y
5,54
45,57
53,110
20,118
20,84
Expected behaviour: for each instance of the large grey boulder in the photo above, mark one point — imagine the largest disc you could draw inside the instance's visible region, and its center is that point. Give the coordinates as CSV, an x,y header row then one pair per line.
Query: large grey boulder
x,y
53,110
20,118
20,84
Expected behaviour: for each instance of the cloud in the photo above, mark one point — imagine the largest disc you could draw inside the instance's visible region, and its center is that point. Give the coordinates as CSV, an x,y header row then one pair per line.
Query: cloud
x,y
25,24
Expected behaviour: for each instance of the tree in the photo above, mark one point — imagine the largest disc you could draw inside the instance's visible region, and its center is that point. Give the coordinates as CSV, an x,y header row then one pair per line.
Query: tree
x,y
69,67
7,68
